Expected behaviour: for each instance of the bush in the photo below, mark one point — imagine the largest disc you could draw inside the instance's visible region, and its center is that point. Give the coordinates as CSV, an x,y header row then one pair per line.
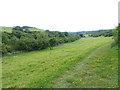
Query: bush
x,y
21,39
7,49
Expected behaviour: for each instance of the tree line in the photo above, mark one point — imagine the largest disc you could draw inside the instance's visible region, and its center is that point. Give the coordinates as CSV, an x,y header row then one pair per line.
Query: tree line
x,y
98,33
22,39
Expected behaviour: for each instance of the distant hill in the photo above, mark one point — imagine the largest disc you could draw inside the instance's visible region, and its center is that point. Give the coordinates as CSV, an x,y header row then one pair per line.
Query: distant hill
x,y
9,29
96,33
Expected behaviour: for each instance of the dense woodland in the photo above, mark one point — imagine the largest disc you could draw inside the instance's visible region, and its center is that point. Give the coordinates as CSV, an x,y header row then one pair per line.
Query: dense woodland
x,y
23,39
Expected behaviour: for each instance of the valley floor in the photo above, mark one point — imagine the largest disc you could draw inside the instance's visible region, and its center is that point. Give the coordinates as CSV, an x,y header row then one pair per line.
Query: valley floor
x,y
85,63
98,70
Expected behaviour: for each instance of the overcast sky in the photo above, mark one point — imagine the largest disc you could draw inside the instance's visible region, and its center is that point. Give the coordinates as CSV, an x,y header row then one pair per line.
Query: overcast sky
x,y
60,15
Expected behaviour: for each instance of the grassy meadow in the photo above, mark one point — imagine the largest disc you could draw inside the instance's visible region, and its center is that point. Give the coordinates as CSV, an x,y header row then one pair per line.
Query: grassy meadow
x,y
9,29
85,63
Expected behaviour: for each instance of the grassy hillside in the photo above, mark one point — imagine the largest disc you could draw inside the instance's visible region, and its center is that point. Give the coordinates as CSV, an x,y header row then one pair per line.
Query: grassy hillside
x,y
7,29
44,68
35,29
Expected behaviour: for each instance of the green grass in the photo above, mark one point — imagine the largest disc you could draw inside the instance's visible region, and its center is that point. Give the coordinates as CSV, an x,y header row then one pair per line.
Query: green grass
x,y
44,68
9,29
98,70
35,29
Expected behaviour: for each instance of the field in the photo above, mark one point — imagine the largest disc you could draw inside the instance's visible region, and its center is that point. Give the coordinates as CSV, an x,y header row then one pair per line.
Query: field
x,y
85,63
35,29
9,29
